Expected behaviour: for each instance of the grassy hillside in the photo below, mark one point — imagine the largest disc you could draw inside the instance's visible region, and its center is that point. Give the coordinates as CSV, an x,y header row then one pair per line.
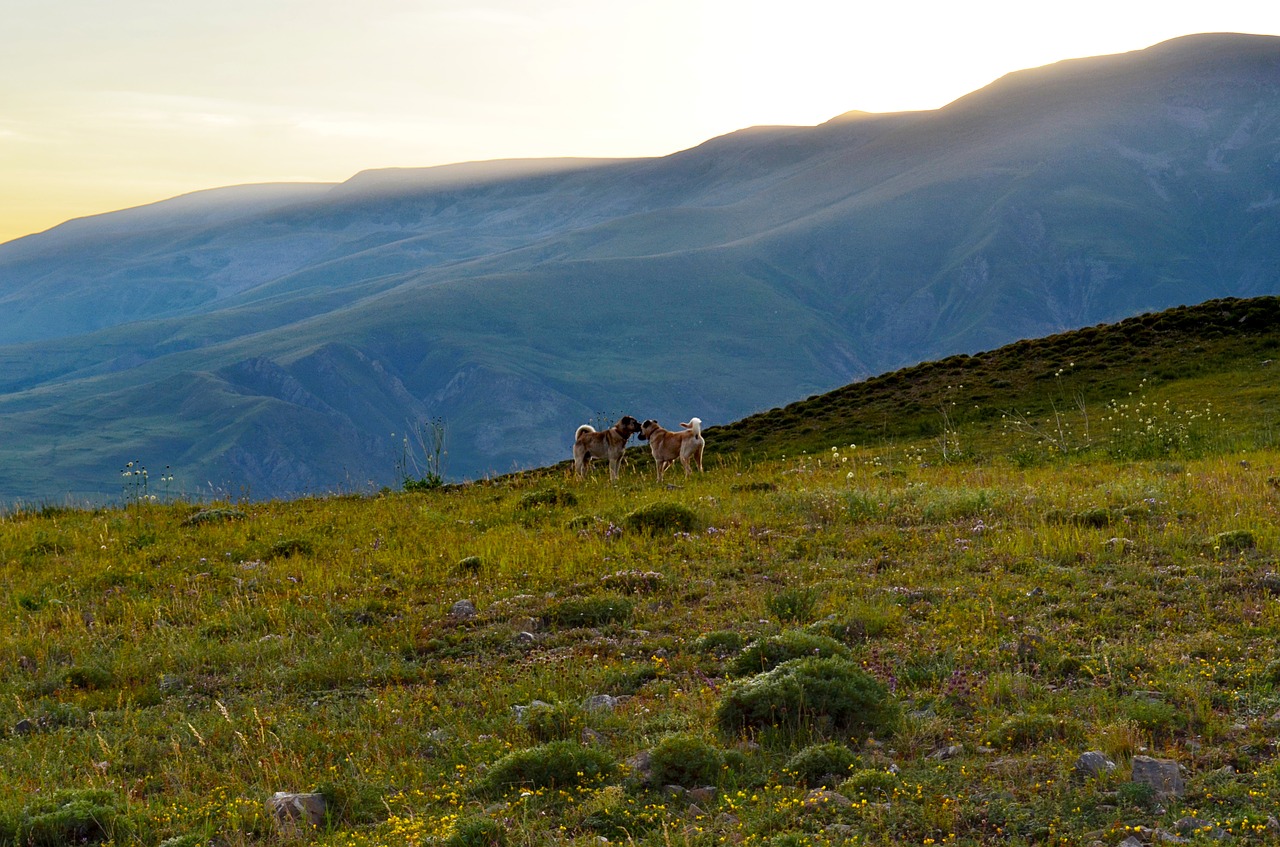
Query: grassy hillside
x,y
910,641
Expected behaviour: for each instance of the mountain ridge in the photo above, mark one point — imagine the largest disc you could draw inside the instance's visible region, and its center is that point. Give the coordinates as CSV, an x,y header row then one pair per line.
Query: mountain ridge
x,y
517,300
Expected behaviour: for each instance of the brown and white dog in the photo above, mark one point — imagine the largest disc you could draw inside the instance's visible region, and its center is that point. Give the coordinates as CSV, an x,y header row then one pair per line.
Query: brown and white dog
x,y
609,444
667,446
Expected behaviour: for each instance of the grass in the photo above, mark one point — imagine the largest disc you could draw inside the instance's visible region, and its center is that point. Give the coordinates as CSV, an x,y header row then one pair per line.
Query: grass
x,y
167,667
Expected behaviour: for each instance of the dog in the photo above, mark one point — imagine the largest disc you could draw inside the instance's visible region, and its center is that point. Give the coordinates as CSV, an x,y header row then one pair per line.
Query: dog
x,y
609,444
667,446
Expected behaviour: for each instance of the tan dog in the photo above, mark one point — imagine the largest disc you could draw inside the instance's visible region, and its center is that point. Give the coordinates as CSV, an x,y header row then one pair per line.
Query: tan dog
x,y
609,444
667,446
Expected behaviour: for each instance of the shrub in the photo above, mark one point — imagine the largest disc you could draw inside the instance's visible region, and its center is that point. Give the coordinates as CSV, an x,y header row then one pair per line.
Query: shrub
x,y
822,764
560,764
873,782
827,692
288,547
1233,541
1027,730
1154,716
661,518
722,642
206,516
589,611
469,565
861,623
547,497
794,605
685,759
554,721
478,832
74,817
767,653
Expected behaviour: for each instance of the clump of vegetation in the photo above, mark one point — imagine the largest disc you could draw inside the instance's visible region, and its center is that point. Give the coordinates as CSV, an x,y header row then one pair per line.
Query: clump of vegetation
x,y
827,694
661,519
824,764
558,721
593,611
91,816
1233,541
289,547
478,832
687,760
214,515
794,605
558,765
767,653
548,497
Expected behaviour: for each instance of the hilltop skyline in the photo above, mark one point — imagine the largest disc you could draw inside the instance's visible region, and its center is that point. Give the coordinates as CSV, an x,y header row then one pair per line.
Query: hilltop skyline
x,y
112,107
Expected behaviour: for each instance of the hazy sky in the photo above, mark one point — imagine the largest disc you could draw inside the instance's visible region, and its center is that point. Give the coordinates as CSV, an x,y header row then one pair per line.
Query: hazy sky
x,y
105,105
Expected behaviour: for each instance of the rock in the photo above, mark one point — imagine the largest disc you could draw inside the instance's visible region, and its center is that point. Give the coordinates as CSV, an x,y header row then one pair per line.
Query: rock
x,y
1093,764
822,798
1163,775
703,795
463,610
522,712
601,703
289,809
1131,841
641,764
525,638
947,752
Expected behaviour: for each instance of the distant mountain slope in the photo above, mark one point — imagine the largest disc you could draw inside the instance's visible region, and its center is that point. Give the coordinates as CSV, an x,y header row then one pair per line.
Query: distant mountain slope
x,y
275,337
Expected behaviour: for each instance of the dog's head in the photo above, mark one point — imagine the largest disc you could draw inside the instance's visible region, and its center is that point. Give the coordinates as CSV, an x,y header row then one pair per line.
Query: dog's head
x,y
648,428
627,426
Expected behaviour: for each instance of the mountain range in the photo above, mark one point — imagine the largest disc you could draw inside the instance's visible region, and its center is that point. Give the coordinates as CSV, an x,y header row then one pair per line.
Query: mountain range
x,y
280,340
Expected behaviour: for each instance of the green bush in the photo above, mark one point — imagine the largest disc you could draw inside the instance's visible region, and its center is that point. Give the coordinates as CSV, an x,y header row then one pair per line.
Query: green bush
x,y
1233,541
74,817
589,611
1157,717
560,764
826,693
686,759
478,832
767,653
860,623
658,518
1027,730
822,764
290,547
794,605
215,515
547,497
722,642
554,721
870,782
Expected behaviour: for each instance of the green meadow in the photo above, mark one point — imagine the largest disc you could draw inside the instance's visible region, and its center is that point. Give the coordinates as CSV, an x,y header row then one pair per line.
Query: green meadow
x,y
897,614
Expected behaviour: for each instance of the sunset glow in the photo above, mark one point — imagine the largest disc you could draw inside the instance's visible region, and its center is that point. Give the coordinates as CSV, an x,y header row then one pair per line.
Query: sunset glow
x,y
106,106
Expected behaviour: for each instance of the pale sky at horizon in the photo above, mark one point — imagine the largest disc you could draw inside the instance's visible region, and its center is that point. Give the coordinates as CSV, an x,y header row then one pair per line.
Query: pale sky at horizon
x,y
105,106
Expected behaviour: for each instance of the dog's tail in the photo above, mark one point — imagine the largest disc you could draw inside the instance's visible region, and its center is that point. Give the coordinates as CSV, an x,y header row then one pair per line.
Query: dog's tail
x,y
582,429
694,425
